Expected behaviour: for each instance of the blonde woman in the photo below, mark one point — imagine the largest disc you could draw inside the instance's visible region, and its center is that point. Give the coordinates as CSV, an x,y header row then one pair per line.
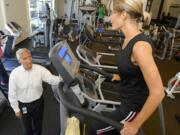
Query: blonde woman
x,y
140,86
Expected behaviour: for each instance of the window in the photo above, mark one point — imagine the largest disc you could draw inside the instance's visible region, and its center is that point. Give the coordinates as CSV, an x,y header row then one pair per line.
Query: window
x,y
38,13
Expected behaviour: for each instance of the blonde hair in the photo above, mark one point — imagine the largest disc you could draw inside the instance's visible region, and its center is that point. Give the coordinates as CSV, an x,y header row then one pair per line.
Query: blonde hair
x,y
134,8
20,51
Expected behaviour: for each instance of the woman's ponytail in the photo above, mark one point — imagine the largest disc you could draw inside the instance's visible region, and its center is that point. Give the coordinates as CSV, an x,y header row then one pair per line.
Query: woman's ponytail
x,y
146,18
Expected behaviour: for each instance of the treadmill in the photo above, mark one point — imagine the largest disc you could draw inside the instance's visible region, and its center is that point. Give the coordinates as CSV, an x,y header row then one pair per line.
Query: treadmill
x,y
41,43
9,60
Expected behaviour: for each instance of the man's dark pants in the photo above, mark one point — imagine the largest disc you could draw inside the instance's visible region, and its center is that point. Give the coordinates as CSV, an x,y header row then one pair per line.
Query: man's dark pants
x,y
31,121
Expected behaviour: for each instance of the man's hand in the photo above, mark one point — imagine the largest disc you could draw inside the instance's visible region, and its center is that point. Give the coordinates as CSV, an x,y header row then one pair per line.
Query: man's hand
x,y
129,129
116,77
18,115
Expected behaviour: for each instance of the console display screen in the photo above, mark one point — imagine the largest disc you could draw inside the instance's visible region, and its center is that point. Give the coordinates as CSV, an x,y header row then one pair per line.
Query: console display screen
x,y
68,59
62,52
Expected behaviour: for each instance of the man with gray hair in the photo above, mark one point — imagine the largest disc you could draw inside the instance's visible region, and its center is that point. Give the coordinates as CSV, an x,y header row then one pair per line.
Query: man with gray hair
x,y
25,92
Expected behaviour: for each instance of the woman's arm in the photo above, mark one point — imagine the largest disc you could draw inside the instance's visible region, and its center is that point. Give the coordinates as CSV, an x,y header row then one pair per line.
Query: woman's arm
x,y
142,56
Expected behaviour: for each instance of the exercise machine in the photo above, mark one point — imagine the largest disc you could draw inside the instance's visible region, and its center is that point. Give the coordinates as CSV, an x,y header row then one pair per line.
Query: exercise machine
x,y
9,40
15,31
68,66
3,101
164,40
175,44
173,86
42,39
94,58
76,94
8,61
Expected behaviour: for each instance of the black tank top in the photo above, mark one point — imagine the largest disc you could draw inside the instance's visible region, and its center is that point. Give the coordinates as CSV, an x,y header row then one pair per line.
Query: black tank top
x,y
133,88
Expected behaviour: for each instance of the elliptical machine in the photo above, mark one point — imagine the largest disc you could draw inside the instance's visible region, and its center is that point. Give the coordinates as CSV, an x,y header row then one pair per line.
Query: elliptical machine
x,y
77,95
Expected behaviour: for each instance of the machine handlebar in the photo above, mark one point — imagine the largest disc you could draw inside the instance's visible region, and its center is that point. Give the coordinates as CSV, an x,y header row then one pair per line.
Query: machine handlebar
x,y
86,112
105,74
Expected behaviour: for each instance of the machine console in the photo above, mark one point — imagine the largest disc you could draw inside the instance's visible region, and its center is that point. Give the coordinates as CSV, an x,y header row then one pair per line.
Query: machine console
x,y
64,61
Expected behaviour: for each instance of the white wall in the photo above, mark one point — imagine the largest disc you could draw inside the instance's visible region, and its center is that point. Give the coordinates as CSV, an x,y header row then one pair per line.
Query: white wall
x,y
166,6
2,16
176,1
17,11
144,4
59,7
167,3
63,7
155,8
56,6
174,12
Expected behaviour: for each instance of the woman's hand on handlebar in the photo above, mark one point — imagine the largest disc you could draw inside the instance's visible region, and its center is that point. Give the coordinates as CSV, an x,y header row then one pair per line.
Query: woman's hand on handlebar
x,y
129,129
115,77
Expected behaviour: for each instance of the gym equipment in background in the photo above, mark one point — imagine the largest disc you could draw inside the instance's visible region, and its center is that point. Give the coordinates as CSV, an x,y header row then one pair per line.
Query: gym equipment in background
x,y
173,86
175,44
94,58
3,101
9,40
163,43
